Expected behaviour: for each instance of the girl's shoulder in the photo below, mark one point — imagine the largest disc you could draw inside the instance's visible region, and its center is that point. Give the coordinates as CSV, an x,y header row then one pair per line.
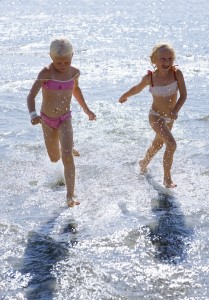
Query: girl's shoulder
x,y
178,73
75,72
45,73
147,78
176,69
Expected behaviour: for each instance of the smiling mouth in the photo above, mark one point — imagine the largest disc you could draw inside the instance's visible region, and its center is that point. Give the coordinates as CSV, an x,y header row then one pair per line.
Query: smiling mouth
x,y
166,69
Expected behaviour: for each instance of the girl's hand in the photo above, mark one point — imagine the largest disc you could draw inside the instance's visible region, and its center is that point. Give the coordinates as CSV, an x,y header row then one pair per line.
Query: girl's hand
x,y
36,120
91,115
123,99
173,115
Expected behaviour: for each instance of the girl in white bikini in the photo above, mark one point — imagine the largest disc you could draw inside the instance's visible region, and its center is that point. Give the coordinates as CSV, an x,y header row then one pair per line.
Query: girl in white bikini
x,y
58,82
164,84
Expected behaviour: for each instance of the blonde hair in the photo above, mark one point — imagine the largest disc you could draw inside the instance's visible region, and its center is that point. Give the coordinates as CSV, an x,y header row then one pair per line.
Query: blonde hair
x,y
61,47
160,46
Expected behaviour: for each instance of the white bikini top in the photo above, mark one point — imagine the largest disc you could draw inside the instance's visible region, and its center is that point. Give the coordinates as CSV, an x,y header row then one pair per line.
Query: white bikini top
x,y
164,90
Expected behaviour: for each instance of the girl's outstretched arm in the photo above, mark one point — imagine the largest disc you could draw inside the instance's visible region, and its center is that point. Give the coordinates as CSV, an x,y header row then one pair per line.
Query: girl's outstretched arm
x,y
136,89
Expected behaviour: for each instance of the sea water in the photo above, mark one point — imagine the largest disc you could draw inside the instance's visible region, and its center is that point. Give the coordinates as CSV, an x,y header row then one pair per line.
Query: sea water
x,y
130,238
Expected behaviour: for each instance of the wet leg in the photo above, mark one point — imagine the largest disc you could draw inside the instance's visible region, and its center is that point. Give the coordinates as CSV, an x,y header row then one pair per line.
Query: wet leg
x,y
51,139
163,131
66,141
167,164
157,144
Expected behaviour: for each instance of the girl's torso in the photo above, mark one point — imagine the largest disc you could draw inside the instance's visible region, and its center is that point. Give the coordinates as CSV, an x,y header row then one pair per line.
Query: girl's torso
x,y
57,92
164,96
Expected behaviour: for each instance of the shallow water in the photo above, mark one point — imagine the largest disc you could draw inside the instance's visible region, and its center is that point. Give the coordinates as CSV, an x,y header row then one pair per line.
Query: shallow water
x,y
130,238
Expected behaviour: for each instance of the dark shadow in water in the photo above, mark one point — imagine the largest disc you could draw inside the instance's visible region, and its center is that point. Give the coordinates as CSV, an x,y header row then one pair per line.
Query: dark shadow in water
x,y
169,233
41,254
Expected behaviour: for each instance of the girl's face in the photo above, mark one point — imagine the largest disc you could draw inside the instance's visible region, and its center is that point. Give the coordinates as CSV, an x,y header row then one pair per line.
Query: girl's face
x,y
62,63
164,59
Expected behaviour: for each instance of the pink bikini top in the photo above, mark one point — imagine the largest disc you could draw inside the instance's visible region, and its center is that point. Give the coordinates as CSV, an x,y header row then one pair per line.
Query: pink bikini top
x,y
164,90
56,85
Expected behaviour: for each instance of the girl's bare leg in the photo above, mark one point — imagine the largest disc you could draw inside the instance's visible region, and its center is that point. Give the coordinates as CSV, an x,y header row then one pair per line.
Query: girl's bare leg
x,y
167,164
66,141
151,152
51,139
163,135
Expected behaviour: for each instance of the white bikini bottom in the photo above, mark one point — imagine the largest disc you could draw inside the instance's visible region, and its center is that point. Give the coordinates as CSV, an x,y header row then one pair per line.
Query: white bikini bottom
x,y
154,113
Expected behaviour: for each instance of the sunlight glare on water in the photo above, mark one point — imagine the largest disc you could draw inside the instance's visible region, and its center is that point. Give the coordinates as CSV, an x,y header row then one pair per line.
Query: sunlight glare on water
x,y
130,238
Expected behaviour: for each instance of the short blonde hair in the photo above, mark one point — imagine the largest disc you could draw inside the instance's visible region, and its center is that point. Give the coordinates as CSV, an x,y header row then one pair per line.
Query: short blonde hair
x,y
61,47
160,46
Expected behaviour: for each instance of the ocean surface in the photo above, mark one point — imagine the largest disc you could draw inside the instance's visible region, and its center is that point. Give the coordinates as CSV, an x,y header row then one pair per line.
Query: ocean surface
x,y
130,238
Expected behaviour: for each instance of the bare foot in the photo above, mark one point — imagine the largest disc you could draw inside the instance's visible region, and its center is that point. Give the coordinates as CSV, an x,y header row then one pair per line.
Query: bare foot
x,y
143,167
71,201
169,184
75,153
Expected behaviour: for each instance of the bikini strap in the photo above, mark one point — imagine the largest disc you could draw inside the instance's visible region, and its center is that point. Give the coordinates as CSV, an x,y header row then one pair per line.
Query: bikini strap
x,y
175,75
76,75
174,72
150,73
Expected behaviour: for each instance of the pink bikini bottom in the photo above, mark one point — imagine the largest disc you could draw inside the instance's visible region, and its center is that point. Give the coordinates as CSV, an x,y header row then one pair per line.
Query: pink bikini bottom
x,y
55,122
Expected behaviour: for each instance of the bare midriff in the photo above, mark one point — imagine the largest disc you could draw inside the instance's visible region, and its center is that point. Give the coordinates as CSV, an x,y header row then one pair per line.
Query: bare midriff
x,y
56,103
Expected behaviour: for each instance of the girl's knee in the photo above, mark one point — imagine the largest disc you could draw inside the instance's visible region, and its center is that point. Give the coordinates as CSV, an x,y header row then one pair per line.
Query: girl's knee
x,y
67,158
172,145
159,145
54,158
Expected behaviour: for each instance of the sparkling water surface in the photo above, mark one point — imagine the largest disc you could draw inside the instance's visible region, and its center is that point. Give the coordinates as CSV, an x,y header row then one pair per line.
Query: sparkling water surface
x,y
130,238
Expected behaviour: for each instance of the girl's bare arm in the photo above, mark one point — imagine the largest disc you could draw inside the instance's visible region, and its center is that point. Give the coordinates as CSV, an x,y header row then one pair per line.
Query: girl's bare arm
x,y
77,93
182,92
135,89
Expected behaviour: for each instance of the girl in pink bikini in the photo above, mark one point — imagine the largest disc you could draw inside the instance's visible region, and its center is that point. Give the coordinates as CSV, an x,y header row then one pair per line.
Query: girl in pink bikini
x,y
164,84
58,82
